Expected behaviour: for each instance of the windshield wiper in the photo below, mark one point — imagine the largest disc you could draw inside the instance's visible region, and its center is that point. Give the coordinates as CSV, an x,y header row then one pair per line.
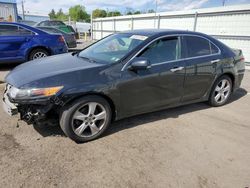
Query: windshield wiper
x,y
75,53
87,58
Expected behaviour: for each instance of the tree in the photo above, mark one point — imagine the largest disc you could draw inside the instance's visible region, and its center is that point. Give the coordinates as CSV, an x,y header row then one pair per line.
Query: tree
x,y
99,13
52,14
78,13
113,13
151,11
137,12
61,16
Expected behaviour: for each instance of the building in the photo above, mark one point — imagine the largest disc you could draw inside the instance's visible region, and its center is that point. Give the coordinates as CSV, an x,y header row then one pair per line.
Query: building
x,y
33,17
8,10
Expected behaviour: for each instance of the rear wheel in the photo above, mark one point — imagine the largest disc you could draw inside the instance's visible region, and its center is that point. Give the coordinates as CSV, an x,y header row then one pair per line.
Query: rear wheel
x,y
38,54
86,119
221,91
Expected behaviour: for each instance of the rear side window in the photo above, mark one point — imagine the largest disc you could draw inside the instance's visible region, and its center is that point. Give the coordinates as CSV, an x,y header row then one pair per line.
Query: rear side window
x,y
44,24
162,50
22,31
11,30
8,30
56,23
197,46
214,49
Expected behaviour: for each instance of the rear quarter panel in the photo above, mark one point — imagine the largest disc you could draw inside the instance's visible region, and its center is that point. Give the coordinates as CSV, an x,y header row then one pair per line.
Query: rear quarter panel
x,y
50,42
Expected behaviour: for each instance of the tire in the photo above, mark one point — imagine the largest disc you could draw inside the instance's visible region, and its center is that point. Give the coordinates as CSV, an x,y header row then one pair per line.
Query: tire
x,y
38,53
222,87
82,124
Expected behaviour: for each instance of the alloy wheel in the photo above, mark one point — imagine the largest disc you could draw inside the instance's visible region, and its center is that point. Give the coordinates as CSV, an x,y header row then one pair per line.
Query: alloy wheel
x,y
222,91
39,55
89,119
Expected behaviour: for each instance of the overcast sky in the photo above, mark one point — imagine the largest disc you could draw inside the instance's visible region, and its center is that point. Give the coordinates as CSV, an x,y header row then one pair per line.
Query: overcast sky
x,y
44,6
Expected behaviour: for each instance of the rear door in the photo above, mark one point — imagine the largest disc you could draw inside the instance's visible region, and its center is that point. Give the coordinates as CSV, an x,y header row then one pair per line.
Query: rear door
x,y
12,39
201,58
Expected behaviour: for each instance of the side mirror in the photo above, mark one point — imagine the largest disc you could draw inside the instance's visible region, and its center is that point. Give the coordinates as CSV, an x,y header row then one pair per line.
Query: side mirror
x,y
140,64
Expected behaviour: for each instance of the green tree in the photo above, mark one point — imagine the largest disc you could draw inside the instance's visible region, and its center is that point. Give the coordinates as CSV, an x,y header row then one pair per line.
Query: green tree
x,y
151,11
61,16
78,13
52,14
137,12
99,13
114,13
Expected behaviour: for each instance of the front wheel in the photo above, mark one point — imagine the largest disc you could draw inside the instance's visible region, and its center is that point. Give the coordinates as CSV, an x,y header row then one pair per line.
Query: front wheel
x,y
221,91
86,119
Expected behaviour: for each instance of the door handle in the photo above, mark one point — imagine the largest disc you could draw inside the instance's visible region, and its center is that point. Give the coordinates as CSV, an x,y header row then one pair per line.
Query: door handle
x,y
215,61
176,69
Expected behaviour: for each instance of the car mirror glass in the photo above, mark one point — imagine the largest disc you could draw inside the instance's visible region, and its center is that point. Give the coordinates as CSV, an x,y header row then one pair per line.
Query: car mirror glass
x,y
140,64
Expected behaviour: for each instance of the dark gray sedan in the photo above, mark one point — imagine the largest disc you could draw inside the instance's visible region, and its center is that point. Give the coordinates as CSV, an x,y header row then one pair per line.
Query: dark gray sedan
x,y
69,37
123,75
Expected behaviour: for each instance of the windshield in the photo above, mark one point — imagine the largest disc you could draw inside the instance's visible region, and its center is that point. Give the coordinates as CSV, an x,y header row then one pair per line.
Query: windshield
x,y
112,48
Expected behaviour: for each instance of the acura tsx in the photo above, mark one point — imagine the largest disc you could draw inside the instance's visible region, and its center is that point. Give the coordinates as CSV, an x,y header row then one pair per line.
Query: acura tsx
x,y
123,75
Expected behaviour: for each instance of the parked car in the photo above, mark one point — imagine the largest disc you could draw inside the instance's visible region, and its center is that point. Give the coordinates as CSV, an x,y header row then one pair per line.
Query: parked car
x,y
69,37
56,24
123,75
20,43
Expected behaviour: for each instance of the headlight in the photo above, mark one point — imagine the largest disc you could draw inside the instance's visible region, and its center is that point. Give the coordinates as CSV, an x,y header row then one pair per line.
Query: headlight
x,y
16,93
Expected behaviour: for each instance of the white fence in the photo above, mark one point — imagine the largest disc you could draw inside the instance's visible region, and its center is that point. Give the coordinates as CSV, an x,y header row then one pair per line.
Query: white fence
x,y
230,24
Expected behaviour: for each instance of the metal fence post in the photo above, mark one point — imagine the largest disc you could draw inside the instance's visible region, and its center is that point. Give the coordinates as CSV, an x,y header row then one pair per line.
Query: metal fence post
x,y
114,26
132,23
195,21
101,30
92,34
159,21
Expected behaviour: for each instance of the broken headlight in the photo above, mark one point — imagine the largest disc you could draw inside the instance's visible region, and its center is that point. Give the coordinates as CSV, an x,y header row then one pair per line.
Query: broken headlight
x,y
16,93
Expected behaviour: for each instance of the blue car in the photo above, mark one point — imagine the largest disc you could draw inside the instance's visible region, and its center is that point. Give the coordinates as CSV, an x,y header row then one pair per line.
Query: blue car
x,y
21,43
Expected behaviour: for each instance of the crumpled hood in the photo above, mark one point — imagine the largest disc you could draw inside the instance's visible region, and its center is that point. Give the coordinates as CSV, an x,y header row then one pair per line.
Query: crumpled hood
x,y
47,67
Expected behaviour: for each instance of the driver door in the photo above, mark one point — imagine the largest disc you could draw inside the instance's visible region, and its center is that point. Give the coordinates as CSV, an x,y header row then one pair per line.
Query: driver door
x,y
156,87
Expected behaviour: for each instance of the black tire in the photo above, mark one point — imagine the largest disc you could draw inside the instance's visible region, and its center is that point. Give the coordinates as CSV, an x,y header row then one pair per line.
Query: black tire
x,y
36,51
67,114
212,101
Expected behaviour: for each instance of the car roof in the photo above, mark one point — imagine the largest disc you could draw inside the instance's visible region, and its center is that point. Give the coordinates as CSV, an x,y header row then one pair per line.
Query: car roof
x,y
154,32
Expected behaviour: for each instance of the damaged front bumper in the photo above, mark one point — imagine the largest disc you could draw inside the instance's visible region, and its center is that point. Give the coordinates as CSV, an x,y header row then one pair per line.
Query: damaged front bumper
x,y
31,111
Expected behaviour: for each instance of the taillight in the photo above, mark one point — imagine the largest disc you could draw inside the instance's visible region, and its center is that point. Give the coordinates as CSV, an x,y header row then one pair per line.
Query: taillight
x,y
242,59
61,39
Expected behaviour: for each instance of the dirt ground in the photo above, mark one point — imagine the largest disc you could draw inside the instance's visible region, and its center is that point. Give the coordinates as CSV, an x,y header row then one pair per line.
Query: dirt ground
x,y
194,146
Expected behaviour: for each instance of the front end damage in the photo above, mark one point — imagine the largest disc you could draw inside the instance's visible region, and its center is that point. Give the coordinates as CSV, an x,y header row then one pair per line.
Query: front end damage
x,y
31,111
34,114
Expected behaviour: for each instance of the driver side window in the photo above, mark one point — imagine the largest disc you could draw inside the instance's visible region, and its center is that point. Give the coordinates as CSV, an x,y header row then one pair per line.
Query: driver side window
x,y
162,50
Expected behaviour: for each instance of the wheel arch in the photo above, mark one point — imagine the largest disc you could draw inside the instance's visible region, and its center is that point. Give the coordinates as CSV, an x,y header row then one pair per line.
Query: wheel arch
x,y
38,47
107,98
230,75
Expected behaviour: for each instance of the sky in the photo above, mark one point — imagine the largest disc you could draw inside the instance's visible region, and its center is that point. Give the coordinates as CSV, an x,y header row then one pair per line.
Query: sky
x,y
45,6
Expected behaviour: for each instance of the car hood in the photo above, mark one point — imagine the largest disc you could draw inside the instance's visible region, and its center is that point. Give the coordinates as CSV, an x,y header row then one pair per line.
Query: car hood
x,y
48,67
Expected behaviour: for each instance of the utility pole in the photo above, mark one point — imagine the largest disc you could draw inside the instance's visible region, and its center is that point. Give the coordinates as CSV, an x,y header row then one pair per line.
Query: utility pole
x,y
23,9
156,6
223,2
91,18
